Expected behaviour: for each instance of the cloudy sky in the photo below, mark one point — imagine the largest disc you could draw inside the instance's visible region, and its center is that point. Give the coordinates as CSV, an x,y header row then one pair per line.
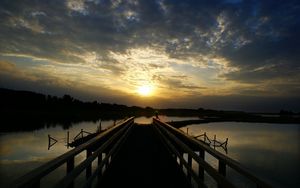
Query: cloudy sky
x,y
222,54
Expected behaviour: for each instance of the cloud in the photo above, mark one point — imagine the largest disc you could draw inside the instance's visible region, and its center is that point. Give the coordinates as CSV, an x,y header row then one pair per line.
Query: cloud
x,y
219,45
264,73
176,82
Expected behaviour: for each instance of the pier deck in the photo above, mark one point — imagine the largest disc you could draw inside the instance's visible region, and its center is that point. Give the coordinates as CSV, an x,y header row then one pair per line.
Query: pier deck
x,y
143,161
135,155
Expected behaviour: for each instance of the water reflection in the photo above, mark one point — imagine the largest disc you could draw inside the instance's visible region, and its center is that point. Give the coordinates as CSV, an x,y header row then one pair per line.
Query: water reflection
x,y
269,150
28,150
147,120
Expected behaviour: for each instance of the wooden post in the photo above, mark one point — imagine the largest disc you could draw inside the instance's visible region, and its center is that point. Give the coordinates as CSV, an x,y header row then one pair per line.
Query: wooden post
x,y
222,169
189,176
205,137
201,169
107,162
187,130
89,166
70,167
37,184
81,133
215,141
99,163
68,139
49,145
180,161
49,141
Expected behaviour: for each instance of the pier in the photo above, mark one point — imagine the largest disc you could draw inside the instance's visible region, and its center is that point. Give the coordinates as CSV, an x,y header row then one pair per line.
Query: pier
x,y
141,155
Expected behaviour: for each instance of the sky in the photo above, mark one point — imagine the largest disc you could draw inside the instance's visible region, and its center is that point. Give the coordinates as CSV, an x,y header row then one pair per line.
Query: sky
x,y
219,54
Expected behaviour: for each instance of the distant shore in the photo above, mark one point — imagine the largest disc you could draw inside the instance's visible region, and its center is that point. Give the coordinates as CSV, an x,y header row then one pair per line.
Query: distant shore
x,y
27,111
258,119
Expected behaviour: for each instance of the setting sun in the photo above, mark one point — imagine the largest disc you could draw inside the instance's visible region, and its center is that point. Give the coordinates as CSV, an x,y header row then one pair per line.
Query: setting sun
x,y
145,90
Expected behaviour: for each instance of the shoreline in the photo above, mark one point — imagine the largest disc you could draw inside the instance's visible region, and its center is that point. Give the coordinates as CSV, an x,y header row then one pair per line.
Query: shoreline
x,y
278,120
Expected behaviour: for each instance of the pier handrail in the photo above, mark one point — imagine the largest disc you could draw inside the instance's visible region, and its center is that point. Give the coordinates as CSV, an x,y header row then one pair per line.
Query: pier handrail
x,y
69,178
168,138
32,179
222,159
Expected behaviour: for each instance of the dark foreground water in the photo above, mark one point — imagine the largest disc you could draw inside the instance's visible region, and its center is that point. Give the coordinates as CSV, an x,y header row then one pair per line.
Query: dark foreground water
x,y
269,150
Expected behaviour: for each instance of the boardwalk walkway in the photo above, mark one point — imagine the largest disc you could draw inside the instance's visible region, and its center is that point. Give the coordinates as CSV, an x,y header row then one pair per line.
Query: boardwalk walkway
x,y
143,161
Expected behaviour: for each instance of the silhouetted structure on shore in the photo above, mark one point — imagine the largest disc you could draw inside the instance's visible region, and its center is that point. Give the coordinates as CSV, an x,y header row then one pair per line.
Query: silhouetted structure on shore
x,y
26,111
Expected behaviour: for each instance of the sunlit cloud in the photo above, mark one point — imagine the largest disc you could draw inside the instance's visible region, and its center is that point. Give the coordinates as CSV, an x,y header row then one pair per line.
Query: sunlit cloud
x,y
215,48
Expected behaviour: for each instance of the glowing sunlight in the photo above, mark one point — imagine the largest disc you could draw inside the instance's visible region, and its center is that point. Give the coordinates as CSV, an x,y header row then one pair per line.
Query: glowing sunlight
x,y
145,90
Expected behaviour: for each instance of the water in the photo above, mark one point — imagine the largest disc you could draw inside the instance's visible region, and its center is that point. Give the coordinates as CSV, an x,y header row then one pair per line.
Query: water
x,y
147,120
27,150
271,151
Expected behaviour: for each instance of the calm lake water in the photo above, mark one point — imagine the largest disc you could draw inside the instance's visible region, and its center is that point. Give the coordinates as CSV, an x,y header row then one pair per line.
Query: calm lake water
x,y
269,150
27,150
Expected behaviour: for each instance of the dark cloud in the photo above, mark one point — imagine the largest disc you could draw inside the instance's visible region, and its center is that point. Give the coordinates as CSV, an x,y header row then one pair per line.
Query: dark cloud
x,y
264,73
48,28
271,27
260,39
238,102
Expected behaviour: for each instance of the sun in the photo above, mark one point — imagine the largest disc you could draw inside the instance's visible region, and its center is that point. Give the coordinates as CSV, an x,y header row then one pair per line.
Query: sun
x,y
144,90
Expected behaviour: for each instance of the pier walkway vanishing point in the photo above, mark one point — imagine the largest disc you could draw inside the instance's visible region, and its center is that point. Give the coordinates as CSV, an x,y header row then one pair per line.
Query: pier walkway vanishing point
x,y
140,155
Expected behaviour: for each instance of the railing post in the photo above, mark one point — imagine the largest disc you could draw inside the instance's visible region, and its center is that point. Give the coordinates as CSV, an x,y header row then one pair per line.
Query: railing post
x,y
68,139
201,169
89,166
99,163
49,140
70,167
180,161
37,184
189,176
107,161
222,169
215,141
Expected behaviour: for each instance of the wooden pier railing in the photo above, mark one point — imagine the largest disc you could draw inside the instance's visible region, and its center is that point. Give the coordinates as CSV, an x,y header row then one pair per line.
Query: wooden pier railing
x,y
107,142
180,143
